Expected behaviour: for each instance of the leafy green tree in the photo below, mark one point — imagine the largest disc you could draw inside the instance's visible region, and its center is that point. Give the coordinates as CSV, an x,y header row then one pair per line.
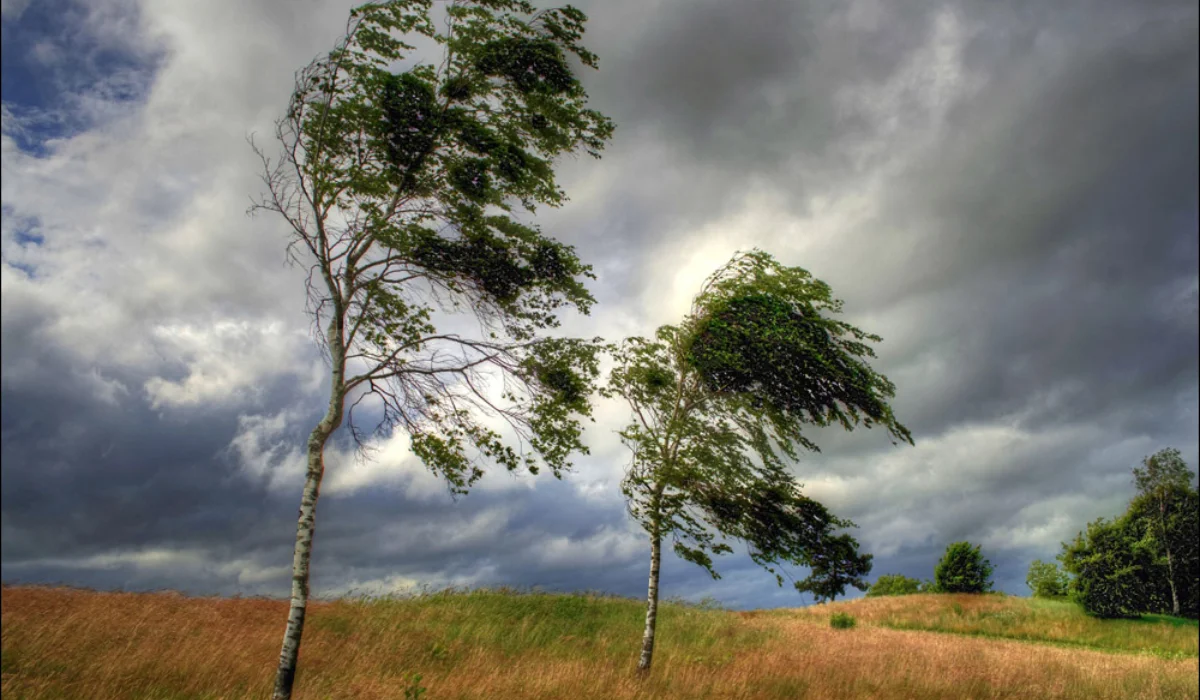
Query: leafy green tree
x,y
1108,570
894,584
963,570
928,586
1180,534
720,401
399,191
834,567
1046,580
1162,510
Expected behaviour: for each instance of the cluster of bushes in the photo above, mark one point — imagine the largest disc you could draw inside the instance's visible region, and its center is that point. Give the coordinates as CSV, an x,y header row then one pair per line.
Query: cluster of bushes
x,y
1145,560
962,569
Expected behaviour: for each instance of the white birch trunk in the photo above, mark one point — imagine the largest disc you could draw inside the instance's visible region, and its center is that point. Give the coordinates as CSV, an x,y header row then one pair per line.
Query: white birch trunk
x,y
1171,580
1162,521
285,675
651,602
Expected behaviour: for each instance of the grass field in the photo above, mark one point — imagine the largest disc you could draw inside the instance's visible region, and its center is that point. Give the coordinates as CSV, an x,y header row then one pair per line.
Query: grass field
x,y
67,643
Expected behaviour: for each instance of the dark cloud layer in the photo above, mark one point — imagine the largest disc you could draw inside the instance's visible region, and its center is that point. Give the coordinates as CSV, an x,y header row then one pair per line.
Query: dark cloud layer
x,y
1007,192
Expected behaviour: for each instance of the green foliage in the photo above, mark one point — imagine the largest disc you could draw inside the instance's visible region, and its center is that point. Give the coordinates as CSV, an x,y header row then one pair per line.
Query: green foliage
x,y
1146,560
1170,524
841,621
894,584
963,569
1109,571
406,190
1164,517
710,435
835,565
1046,580
764,333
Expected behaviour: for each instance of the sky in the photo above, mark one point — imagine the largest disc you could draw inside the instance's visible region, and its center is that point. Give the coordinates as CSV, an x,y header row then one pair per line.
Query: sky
x,y
1005,192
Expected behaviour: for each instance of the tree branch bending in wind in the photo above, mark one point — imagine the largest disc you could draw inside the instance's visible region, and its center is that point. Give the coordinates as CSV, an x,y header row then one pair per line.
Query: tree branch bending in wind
x,y
718,404
402,193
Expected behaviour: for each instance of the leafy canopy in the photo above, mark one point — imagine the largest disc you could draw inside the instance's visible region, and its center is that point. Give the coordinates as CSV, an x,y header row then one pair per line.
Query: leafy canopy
x,y
711,432
1162,473
1109,571
1125,566
407,189
894,584
963,569
836,565
1169,525
1046,580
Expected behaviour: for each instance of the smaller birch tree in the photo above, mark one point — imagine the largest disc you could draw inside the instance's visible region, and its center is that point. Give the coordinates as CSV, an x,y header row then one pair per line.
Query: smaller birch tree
x,y
719,403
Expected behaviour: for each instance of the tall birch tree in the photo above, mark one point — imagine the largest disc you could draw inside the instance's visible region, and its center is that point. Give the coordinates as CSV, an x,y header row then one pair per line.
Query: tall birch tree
x,y
404,194
1163,482
719,403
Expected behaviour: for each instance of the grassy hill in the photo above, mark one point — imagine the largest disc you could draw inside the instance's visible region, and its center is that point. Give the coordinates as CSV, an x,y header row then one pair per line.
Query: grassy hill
x,y
68,643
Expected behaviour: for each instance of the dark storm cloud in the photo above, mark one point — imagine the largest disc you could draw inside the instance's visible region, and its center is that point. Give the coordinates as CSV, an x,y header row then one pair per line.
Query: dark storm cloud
x,y
713,99
1029,256
1059,238
125,481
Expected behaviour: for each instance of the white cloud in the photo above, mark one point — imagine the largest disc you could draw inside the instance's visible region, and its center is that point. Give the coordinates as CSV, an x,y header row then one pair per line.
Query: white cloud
x,y
606,545
242,570
229,360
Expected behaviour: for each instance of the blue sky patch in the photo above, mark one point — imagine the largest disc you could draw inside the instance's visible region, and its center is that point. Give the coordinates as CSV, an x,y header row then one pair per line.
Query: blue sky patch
x,y
52,54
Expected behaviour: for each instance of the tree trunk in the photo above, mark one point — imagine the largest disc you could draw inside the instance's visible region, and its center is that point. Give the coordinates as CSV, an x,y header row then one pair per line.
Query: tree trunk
x,y
1162,515
1171,580
285,675
651,602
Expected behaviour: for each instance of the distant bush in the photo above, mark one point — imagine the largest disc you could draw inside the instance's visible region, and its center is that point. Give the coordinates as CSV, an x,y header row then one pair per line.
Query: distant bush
x,y
1046,580
894,584
963,570
841,621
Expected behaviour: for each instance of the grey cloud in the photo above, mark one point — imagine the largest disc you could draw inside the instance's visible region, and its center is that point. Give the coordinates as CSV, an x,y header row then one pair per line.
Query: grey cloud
x,y
1028,252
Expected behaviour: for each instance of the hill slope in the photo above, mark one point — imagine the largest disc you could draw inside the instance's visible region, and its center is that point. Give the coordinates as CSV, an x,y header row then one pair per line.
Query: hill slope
x,y
65,643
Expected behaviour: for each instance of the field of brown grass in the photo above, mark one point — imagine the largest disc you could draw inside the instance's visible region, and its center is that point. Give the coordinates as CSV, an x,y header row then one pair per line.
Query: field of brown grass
x,y
65,643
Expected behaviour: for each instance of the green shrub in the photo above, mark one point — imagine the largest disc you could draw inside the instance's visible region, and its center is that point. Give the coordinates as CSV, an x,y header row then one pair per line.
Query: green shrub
x,y
963,570
1046,580
894,584
841,621
1110,571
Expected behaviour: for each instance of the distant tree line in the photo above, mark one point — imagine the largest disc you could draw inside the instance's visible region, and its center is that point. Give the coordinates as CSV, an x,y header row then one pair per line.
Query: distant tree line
x,y
1145,561
962,569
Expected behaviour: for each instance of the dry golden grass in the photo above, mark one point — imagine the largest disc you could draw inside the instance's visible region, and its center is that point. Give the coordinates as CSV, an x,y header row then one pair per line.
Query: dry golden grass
x,y
61,643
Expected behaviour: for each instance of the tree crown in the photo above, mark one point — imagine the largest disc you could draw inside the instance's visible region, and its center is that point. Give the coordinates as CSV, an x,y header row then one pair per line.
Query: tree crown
x,y
963,569
711,429
405,189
